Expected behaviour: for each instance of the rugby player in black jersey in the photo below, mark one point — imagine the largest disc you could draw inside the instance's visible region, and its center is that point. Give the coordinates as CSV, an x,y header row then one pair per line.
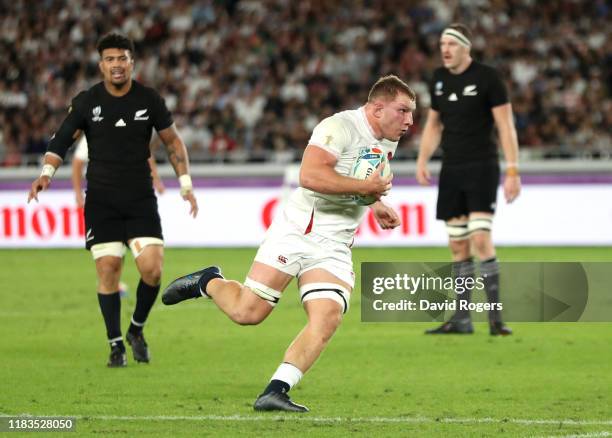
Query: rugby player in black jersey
x,y
467,99
117,117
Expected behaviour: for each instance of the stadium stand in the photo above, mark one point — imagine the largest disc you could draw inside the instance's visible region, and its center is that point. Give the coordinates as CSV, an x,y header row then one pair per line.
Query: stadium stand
x,y
248,80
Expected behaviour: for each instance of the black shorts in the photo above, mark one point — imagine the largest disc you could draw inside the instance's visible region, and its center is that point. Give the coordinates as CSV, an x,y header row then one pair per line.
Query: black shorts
x,y
111,218
466,188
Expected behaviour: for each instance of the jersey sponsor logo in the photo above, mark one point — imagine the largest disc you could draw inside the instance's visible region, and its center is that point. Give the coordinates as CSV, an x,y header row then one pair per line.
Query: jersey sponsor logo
x,y
470,90
96,114
141,115
438,91
120,123
453,97
328,139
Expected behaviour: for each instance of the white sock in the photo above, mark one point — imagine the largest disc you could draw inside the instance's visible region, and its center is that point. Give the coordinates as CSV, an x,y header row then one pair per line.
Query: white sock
x,y
290,374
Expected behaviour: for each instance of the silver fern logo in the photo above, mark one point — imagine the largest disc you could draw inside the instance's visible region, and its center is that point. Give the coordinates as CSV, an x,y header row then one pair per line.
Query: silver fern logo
x,y
96,114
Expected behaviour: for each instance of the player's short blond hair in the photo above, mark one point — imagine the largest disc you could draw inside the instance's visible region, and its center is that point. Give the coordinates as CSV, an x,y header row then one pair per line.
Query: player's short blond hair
x,y
388,87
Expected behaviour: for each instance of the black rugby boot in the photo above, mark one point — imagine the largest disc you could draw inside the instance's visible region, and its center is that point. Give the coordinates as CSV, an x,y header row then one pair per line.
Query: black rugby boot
x,y
498,328
117,358
453,327
139,347
277,401
189,286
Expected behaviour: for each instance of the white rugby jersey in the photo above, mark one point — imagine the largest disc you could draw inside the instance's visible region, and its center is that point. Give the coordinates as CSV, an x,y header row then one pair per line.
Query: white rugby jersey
x,y
81,152
335,217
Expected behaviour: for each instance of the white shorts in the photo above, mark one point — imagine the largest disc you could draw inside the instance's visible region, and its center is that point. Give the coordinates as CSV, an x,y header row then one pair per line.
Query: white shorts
x,y
291,251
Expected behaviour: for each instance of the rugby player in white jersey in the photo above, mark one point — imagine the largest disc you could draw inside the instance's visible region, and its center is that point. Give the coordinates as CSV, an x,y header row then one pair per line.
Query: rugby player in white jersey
x,y
312,237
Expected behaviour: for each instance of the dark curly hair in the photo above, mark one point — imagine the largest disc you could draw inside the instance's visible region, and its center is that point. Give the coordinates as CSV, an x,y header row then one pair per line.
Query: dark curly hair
x,y
115,41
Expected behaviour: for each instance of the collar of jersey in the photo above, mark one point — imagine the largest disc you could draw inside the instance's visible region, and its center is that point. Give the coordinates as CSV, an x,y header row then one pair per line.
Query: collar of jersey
x,y
369,129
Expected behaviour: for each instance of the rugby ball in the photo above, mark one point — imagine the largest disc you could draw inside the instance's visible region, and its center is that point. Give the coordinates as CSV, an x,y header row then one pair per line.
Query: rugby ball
x,y
369,159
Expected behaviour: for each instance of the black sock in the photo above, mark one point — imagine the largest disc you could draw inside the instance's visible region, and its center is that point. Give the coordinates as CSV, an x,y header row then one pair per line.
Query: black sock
x,y
489,269
145,298
110,306
463,269
277,386
203,282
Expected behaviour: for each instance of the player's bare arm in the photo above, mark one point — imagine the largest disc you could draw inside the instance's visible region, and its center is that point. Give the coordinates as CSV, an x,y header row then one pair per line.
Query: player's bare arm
x,y
177,154
77,180
158,184
429,143
385,215
51,162
318,174
504,121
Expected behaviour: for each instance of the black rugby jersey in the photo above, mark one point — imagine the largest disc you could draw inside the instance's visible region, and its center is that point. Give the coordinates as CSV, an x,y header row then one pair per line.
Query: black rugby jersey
x,y
464,102
118,132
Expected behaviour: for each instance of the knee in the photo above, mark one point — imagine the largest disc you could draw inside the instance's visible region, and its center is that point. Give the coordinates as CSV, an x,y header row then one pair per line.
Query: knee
x,y
152,276
151,273
326,324
482,244
246,317
460,249
109,269
333,319
249,314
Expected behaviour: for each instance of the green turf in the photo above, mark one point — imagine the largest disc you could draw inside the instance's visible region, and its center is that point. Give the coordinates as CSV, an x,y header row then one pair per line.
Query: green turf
x,y
374,379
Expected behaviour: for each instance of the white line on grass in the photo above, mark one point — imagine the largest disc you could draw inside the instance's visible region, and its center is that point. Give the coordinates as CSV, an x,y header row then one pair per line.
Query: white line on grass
x,y
308,419
584,435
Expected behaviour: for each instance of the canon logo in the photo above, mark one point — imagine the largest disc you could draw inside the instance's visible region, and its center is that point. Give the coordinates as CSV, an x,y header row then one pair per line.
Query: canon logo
x,y
412,217
43,222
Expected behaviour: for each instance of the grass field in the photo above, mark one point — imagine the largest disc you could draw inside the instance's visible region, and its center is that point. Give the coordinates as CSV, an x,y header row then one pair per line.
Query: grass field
x,y
374,379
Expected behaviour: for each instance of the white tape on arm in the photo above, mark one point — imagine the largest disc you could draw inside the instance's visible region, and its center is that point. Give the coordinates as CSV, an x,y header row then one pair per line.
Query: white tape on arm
x,y
48,170
186,185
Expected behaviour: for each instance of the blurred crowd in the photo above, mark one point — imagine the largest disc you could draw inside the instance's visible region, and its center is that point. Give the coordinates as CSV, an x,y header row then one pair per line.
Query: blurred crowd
x,y
248,80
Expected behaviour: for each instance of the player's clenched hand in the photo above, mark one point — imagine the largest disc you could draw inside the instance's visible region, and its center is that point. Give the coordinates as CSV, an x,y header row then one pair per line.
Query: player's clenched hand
x,y
386,216
376,184
422,174
512,188
41,183
190,197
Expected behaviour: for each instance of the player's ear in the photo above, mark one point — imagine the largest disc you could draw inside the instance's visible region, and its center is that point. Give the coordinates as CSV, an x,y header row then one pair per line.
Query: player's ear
x,y
100,67
378,107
